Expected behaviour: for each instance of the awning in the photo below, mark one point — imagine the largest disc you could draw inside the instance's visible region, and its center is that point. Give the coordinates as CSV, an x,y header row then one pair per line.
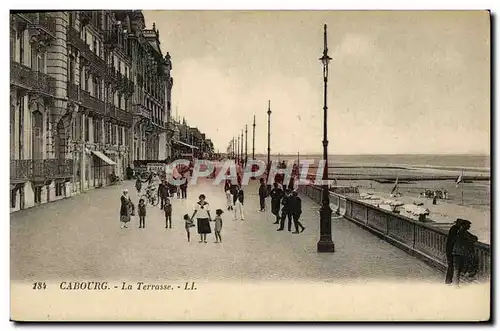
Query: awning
x,y
183,143
104,158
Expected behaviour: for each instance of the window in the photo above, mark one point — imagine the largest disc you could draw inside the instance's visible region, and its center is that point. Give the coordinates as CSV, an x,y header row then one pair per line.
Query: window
x,y
21,127
94,49
71,70
94,87
41,63
120,135
120,101
108,133
12,47
87,124
38,194
87,79
113,134
13,195
59,189
21,47
71,19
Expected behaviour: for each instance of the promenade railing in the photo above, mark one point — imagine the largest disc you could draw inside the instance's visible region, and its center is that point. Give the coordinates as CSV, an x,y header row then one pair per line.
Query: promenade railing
x,y
417,238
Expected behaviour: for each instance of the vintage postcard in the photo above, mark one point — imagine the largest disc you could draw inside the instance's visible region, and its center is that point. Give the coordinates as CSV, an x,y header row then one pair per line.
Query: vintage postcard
x,y
250,165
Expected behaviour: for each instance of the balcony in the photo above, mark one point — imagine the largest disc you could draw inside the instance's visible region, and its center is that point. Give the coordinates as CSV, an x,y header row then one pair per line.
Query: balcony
x,y
124,116
24,170
90,102
111,38
111,74
73,37
20,170
51,169
42,22
22,76
73,92
112,111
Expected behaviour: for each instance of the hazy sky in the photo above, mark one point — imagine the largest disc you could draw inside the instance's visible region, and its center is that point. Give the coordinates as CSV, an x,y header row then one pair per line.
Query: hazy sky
x,y
400,82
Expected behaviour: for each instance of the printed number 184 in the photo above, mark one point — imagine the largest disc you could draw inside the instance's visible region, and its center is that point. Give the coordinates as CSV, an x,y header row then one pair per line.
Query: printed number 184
x,y
39,286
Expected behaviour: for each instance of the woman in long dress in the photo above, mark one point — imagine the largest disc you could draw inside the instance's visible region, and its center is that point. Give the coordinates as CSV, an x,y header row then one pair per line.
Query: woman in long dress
x,y
126,209
202,210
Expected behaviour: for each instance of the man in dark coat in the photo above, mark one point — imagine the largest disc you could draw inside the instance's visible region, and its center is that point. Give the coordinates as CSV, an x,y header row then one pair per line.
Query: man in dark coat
x,y
462,250
262,194
276,196
286,211
295,205
450,242
163,193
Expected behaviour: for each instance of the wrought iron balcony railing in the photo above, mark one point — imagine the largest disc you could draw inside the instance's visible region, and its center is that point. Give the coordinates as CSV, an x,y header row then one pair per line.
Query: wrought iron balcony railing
x,y
24,77
73,37
43,169
73,92
42,22
124,116
91,102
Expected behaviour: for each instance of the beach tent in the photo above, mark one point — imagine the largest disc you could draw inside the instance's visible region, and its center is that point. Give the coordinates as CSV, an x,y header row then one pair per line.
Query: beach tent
x,y
415,210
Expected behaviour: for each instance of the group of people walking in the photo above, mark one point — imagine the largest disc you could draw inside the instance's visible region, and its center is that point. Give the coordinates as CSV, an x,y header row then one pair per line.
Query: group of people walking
x,y
284,204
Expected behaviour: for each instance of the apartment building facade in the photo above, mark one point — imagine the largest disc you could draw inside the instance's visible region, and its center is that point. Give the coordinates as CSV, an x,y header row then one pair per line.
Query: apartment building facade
x,y
89,93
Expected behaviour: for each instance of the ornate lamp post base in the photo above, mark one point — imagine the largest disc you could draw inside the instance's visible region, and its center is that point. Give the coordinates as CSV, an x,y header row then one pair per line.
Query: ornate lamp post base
x,y
325,243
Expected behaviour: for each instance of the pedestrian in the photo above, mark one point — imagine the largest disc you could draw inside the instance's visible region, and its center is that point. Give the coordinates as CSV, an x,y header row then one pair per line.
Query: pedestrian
x,y
178,191
188,223
295,204
167,208
202,209
129,172
276,196
218,225
138,185
262,194
238,200
462,250
229,200
450,242
142,213
163,193
183,187
126,209
285,211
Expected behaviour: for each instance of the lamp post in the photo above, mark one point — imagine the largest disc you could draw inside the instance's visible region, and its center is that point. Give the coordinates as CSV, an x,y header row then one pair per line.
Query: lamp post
x,y
269,133
238,149
241,154
253,139
325,243
246,144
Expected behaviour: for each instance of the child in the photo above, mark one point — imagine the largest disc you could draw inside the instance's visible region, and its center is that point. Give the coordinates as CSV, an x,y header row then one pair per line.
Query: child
x,y
229,199
142,214
188,224
218,225
167,207
138,185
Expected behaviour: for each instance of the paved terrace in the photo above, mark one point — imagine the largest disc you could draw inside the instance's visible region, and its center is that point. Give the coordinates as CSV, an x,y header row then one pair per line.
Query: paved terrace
x,y
80,238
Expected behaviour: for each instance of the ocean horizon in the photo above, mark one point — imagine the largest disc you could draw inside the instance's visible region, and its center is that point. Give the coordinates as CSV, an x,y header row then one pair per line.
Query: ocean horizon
x,y
424,160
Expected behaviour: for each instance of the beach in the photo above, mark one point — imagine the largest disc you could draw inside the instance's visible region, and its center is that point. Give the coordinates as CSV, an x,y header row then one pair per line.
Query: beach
x,y
377,174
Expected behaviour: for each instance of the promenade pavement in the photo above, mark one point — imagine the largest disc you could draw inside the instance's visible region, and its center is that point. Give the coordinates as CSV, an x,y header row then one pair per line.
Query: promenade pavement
x,y
80,239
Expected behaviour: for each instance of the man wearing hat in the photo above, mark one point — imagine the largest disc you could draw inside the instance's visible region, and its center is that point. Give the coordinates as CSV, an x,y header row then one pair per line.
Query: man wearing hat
x,y
450,242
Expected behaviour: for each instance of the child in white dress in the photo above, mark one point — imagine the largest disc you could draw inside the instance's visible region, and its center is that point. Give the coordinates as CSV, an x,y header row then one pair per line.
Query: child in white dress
x,y
218,225
229,199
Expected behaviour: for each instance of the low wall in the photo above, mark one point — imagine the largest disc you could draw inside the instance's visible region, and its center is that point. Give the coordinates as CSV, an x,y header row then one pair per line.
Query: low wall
x,y
419,239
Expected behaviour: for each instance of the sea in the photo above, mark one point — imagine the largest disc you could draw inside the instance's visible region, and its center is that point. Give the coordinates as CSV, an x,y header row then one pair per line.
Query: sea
x,y
466,161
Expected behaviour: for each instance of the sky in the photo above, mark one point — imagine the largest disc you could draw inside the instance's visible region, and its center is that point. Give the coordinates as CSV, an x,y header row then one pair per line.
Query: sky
x,y
399,82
